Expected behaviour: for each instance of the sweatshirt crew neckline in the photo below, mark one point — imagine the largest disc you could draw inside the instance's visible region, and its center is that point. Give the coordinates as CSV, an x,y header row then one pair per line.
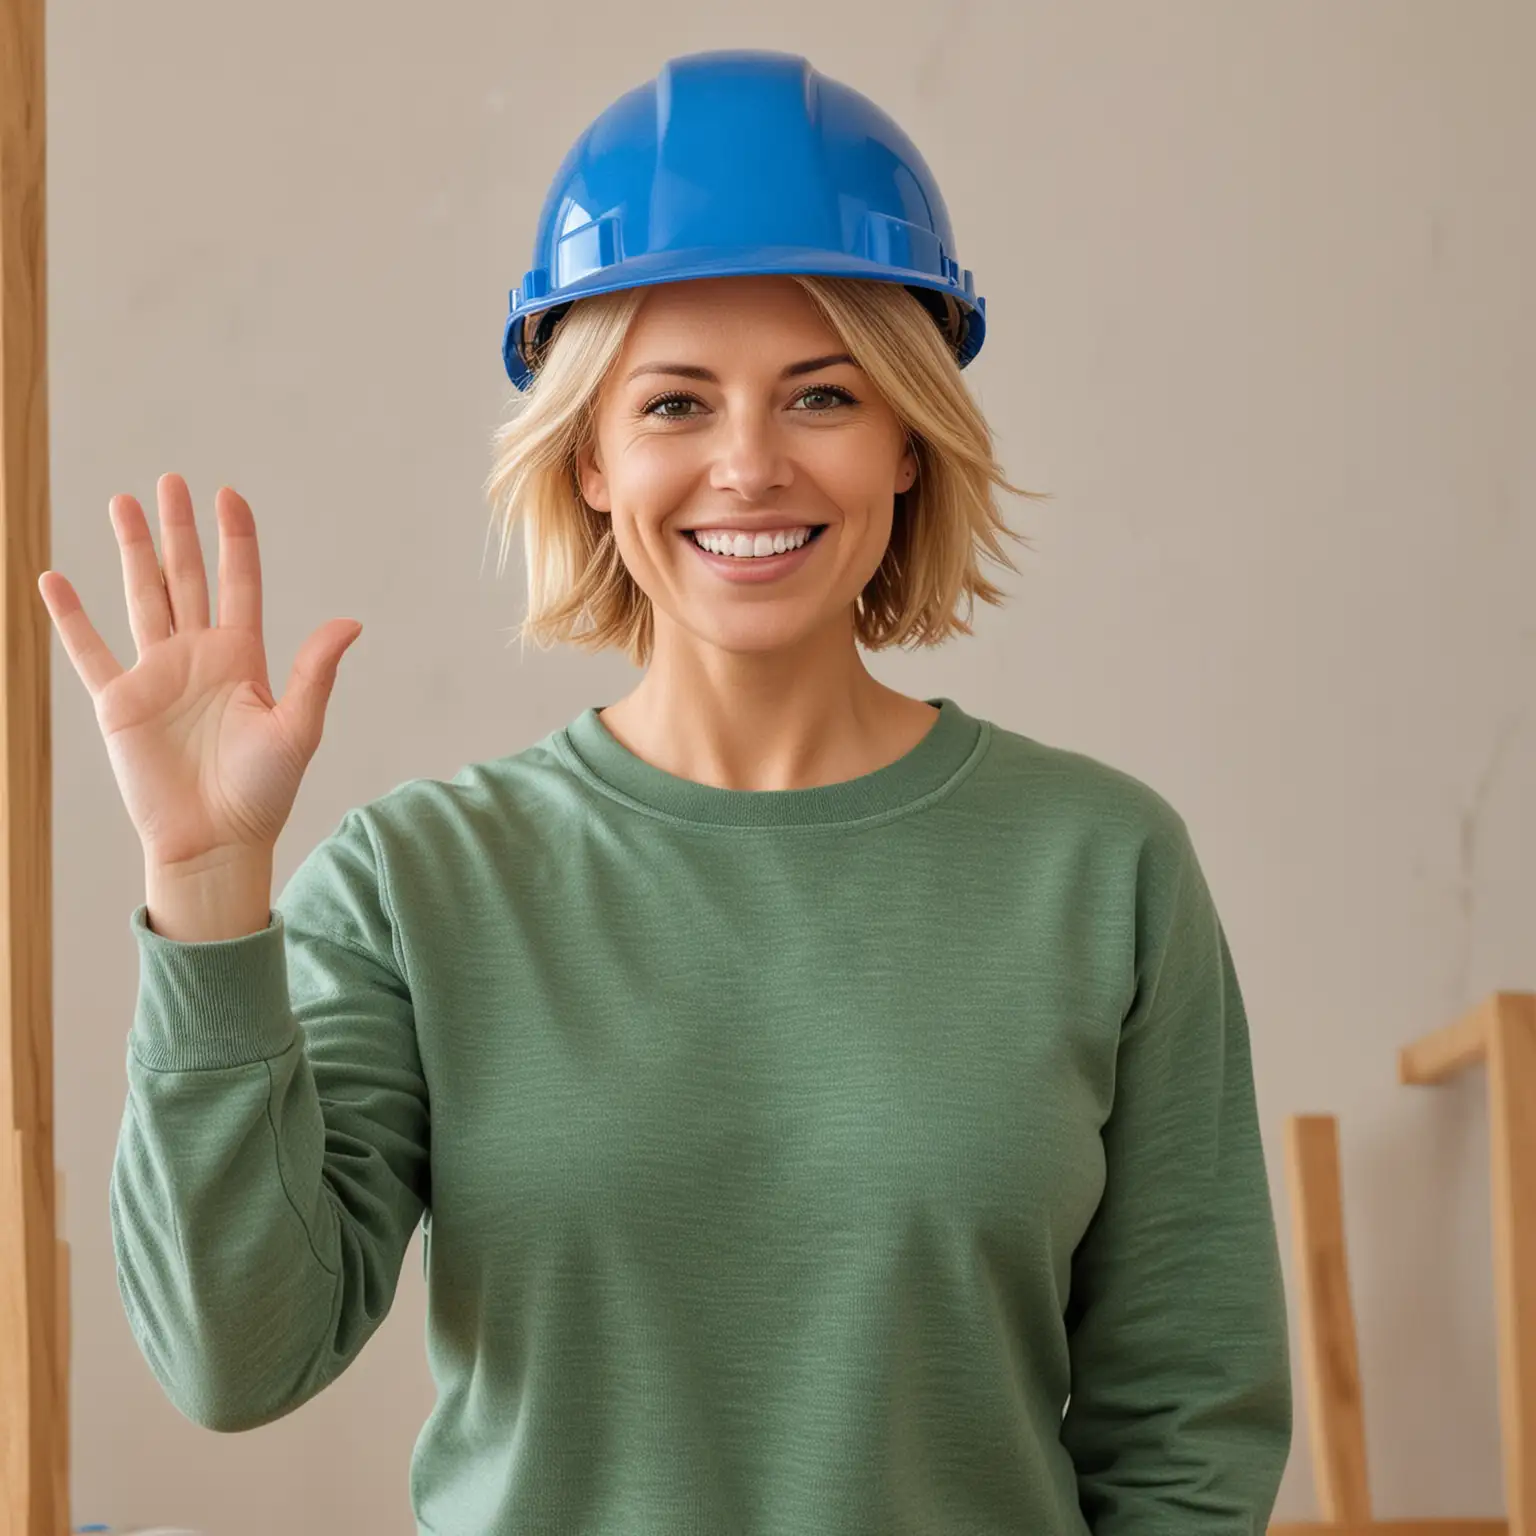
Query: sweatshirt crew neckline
x,y
953,744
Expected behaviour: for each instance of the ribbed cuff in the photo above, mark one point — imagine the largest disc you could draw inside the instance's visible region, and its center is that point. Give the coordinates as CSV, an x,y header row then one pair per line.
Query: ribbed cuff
x,y
220,1003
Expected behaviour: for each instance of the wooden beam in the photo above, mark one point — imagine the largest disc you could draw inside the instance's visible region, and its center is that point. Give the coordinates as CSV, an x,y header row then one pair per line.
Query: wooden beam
x,y
1512,1143
34,1436
1394,1528
1329,1355
1501,1031
1437,1057
61,1378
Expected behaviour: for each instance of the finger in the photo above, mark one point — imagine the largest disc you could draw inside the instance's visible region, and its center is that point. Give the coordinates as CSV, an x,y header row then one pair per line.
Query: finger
x,y
149,610
302,708
239,564
181,555
92,659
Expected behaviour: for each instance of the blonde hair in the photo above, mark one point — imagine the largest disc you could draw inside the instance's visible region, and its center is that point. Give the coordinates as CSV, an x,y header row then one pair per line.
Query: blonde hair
x,y
941,523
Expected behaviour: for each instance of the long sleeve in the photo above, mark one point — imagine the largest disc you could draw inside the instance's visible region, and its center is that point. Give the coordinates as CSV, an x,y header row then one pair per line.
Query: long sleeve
x,y
272,1161
1179,1420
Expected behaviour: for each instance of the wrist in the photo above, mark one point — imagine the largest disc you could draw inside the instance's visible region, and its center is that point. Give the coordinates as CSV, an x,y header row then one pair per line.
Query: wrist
x,y
220,895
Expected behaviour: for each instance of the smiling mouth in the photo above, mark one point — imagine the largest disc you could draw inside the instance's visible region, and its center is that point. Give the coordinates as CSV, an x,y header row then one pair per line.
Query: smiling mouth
x,y
817,529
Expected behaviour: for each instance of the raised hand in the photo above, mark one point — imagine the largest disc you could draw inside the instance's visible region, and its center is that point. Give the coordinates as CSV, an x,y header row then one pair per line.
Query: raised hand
x,y
207,761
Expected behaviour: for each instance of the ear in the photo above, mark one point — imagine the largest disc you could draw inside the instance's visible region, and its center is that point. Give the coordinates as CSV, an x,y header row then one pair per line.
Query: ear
x,y
593,482
906,471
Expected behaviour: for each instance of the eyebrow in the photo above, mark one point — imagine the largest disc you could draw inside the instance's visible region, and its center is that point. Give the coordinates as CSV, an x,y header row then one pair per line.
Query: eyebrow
x,y
688,371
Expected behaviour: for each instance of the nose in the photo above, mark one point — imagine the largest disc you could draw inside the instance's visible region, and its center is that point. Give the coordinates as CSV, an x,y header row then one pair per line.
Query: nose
x,y
750,458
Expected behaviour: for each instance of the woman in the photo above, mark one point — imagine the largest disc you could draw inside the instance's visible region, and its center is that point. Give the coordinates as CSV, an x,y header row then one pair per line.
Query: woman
x,y
828,1111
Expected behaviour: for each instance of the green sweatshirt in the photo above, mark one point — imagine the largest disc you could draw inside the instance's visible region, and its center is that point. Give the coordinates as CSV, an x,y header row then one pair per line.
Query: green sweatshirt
x,y
874,1159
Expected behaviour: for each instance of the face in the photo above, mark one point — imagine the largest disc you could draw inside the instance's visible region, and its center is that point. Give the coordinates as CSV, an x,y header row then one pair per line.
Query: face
x,y
763,438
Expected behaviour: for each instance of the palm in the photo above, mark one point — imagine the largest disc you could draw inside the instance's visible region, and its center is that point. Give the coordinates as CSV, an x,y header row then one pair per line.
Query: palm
x,y
200,756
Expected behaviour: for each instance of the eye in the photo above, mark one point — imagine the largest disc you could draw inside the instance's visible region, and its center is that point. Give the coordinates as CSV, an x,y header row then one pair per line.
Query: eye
x,y
832,391
652,407
649,408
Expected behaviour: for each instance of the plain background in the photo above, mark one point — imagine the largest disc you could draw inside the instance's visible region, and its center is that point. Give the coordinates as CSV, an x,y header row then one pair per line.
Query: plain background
x,y
1261,319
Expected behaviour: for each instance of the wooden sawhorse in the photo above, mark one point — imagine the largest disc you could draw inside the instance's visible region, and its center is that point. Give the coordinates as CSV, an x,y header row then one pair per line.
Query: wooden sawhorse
x,y
1501,1033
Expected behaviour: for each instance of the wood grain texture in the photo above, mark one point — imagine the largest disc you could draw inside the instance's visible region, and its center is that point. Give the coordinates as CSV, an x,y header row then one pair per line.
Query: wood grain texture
x,y
34,1433
61,1505
1393,1528
1512,1145
1329,1353
1441,1055
1501,1032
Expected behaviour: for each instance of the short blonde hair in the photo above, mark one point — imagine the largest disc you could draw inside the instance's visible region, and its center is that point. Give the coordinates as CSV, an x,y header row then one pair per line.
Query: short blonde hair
x,y
941,523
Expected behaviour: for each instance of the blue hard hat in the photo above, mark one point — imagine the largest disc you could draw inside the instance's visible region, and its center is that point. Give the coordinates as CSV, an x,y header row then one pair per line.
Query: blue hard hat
x,y
734,162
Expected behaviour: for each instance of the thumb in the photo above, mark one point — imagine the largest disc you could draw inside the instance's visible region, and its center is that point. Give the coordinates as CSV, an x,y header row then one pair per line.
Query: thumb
x,y
302,707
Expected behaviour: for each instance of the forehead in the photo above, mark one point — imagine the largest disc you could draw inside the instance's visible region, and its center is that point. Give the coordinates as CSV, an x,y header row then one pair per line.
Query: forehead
x,y
769,311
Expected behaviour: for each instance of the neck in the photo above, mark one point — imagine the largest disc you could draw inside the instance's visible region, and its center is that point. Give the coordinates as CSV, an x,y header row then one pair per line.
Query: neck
x,y
742,720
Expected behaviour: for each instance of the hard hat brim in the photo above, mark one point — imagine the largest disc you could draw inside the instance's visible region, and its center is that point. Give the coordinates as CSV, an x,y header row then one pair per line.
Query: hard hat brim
x,y
656,268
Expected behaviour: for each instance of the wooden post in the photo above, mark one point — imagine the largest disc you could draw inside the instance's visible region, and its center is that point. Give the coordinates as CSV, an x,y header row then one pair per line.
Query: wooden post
x,y
1393,1528
61,1328
1330,1358
34,1434
1501,1032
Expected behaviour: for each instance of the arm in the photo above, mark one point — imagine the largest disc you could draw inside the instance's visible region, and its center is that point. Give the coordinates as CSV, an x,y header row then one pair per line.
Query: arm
x,y
272,1159
1179,1421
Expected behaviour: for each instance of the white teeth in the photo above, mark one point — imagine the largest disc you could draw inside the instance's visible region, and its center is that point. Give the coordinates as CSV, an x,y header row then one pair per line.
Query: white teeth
x,y
746,546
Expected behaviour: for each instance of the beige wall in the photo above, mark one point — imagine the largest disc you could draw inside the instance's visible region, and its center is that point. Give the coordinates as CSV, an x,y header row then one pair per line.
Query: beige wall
x,y
1262,319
